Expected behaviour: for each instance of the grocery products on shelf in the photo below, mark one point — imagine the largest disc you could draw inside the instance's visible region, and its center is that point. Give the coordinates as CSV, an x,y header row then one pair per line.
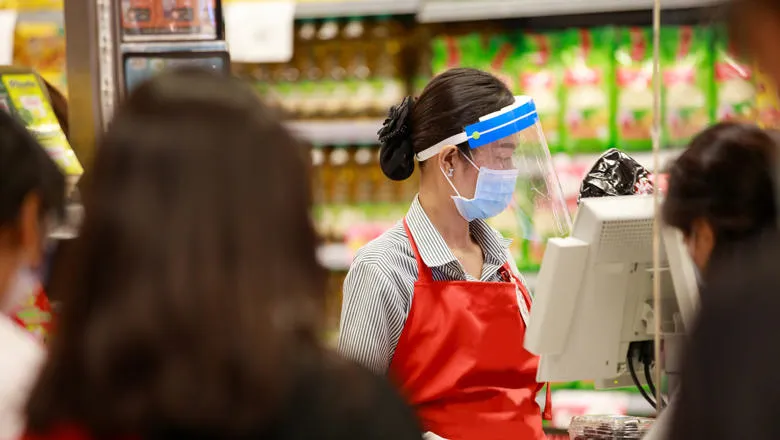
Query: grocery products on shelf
x,y
341,69
593,86
23,95
687,82
39,41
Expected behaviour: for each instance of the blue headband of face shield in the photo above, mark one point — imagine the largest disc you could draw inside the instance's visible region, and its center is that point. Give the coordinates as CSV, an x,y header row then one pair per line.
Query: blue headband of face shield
x,y
490,128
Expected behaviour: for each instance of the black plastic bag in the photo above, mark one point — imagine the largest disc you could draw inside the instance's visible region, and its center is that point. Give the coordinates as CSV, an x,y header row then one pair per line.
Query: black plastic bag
x,y
616,174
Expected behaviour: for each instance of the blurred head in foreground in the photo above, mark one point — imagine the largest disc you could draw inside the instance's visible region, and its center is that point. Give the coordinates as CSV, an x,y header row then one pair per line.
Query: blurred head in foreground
x,y
755,26
195,280
31,189
721,190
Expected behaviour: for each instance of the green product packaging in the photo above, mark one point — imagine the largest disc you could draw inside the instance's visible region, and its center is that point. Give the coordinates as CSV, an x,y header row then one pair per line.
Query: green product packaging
x,y
454,51
633,117
735,90
687,83
498,57
537,72
588,98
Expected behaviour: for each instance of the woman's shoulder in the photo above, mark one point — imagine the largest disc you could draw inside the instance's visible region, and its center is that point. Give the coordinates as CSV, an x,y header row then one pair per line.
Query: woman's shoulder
x,y
383,249
339,399
20,360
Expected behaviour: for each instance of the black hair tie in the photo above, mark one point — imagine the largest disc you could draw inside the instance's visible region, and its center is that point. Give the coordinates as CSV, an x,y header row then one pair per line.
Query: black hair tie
x,y
397,154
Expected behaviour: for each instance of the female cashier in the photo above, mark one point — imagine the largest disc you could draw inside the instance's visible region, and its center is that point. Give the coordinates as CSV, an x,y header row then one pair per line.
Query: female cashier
x,y
436,302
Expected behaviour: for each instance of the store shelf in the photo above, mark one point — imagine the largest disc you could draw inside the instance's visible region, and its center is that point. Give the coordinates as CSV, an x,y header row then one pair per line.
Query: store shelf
x,y
435,11
347,8
338,132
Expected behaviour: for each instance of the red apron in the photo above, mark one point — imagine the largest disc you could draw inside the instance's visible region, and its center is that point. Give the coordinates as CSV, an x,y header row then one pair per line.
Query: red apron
x,y
460,359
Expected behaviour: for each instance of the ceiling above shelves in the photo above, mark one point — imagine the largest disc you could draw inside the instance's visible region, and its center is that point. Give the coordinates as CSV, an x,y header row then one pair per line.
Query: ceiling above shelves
x,y
434,11
346,8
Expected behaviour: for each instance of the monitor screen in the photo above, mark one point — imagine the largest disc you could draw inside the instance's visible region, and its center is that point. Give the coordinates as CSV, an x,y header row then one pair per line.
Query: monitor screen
x,y
139,68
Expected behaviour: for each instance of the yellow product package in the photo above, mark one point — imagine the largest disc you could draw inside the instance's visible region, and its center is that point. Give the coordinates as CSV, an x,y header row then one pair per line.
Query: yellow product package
x,y
23,95
767,102
40,45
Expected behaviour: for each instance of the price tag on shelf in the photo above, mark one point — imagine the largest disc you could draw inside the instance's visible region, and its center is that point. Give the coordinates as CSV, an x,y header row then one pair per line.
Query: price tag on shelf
x,y
7,33
260,32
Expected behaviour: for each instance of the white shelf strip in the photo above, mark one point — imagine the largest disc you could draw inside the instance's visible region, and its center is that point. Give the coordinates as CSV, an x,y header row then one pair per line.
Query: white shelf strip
x,y
346,8
434,11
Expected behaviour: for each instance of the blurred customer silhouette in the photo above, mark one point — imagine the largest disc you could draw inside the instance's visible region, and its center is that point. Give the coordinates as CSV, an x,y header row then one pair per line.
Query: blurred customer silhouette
x,y
721,194
193,306
31,188
727,388
720,190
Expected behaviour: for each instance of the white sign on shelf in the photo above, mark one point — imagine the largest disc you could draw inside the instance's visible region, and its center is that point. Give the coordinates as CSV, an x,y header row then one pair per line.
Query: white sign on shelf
x,y
260,32
7,29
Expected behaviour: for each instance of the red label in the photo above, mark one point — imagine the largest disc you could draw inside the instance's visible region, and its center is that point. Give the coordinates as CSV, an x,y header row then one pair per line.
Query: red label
x,y
580,76
679,75
686,36
627,76
730,69
638,44
453,52
503,53
536,80
543,54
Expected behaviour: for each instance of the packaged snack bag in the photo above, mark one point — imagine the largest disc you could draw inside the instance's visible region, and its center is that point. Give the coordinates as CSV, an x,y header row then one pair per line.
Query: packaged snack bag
x,y
767,103
633,117
25,96
588,77
687,76
498,58
537,69
735,91
451,51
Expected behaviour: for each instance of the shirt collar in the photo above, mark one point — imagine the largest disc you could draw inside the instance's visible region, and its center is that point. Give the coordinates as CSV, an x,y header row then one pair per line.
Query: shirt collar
x,y
434,250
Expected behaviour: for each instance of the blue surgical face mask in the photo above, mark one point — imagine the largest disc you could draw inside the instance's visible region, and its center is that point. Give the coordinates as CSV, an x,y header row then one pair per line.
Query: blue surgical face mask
x,y
492,195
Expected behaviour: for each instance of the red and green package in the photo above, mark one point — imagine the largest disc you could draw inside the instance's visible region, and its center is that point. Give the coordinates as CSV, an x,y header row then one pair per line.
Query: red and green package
x,y
633,116
537,72
586,55
735,91
687,83
35,314
497,59
450,51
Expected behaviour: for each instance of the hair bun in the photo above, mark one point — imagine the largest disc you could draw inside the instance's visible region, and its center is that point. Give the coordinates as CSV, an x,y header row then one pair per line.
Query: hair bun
x,y
397,154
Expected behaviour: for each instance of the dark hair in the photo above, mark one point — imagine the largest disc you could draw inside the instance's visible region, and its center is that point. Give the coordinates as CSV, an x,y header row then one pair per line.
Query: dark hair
x,y
737,15
731,346
195,281
726,177
450,102
26,168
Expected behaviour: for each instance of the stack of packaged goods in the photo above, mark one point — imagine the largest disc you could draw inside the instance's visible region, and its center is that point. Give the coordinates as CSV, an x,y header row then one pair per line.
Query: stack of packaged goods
x,y
593,87
39,40
354,203
341,69
593,91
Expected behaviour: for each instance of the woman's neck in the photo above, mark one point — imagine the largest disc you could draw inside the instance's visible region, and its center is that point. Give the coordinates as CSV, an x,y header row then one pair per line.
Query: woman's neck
x,y
453,228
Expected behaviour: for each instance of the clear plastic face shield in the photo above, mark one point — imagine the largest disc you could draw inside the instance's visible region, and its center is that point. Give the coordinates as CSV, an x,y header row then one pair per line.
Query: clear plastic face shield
x,y
517,186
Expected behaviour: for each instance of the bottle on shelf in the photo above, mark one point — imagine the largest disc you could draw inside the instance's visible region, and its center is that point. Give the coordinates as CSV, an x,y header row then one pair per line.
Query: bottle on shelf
x,y
355,58
334,93
310,72
364,169
389,85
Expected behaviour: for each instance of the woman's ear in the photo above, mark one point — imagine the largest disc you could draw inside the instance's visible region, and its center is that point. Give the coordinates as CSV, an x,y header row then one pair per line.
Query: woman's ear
x,y
448,159
30,231
702,242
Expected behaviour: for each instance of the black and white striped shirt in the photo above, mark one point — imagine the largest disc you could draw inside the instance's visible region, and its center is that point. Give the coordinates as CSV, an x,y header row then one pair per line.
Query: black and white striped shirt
x,y
379,286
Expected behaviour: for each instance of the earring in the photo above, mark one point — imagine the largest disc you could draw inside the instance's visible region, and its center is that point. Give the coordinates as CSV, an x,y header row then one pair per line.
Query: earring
x,y
451,172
